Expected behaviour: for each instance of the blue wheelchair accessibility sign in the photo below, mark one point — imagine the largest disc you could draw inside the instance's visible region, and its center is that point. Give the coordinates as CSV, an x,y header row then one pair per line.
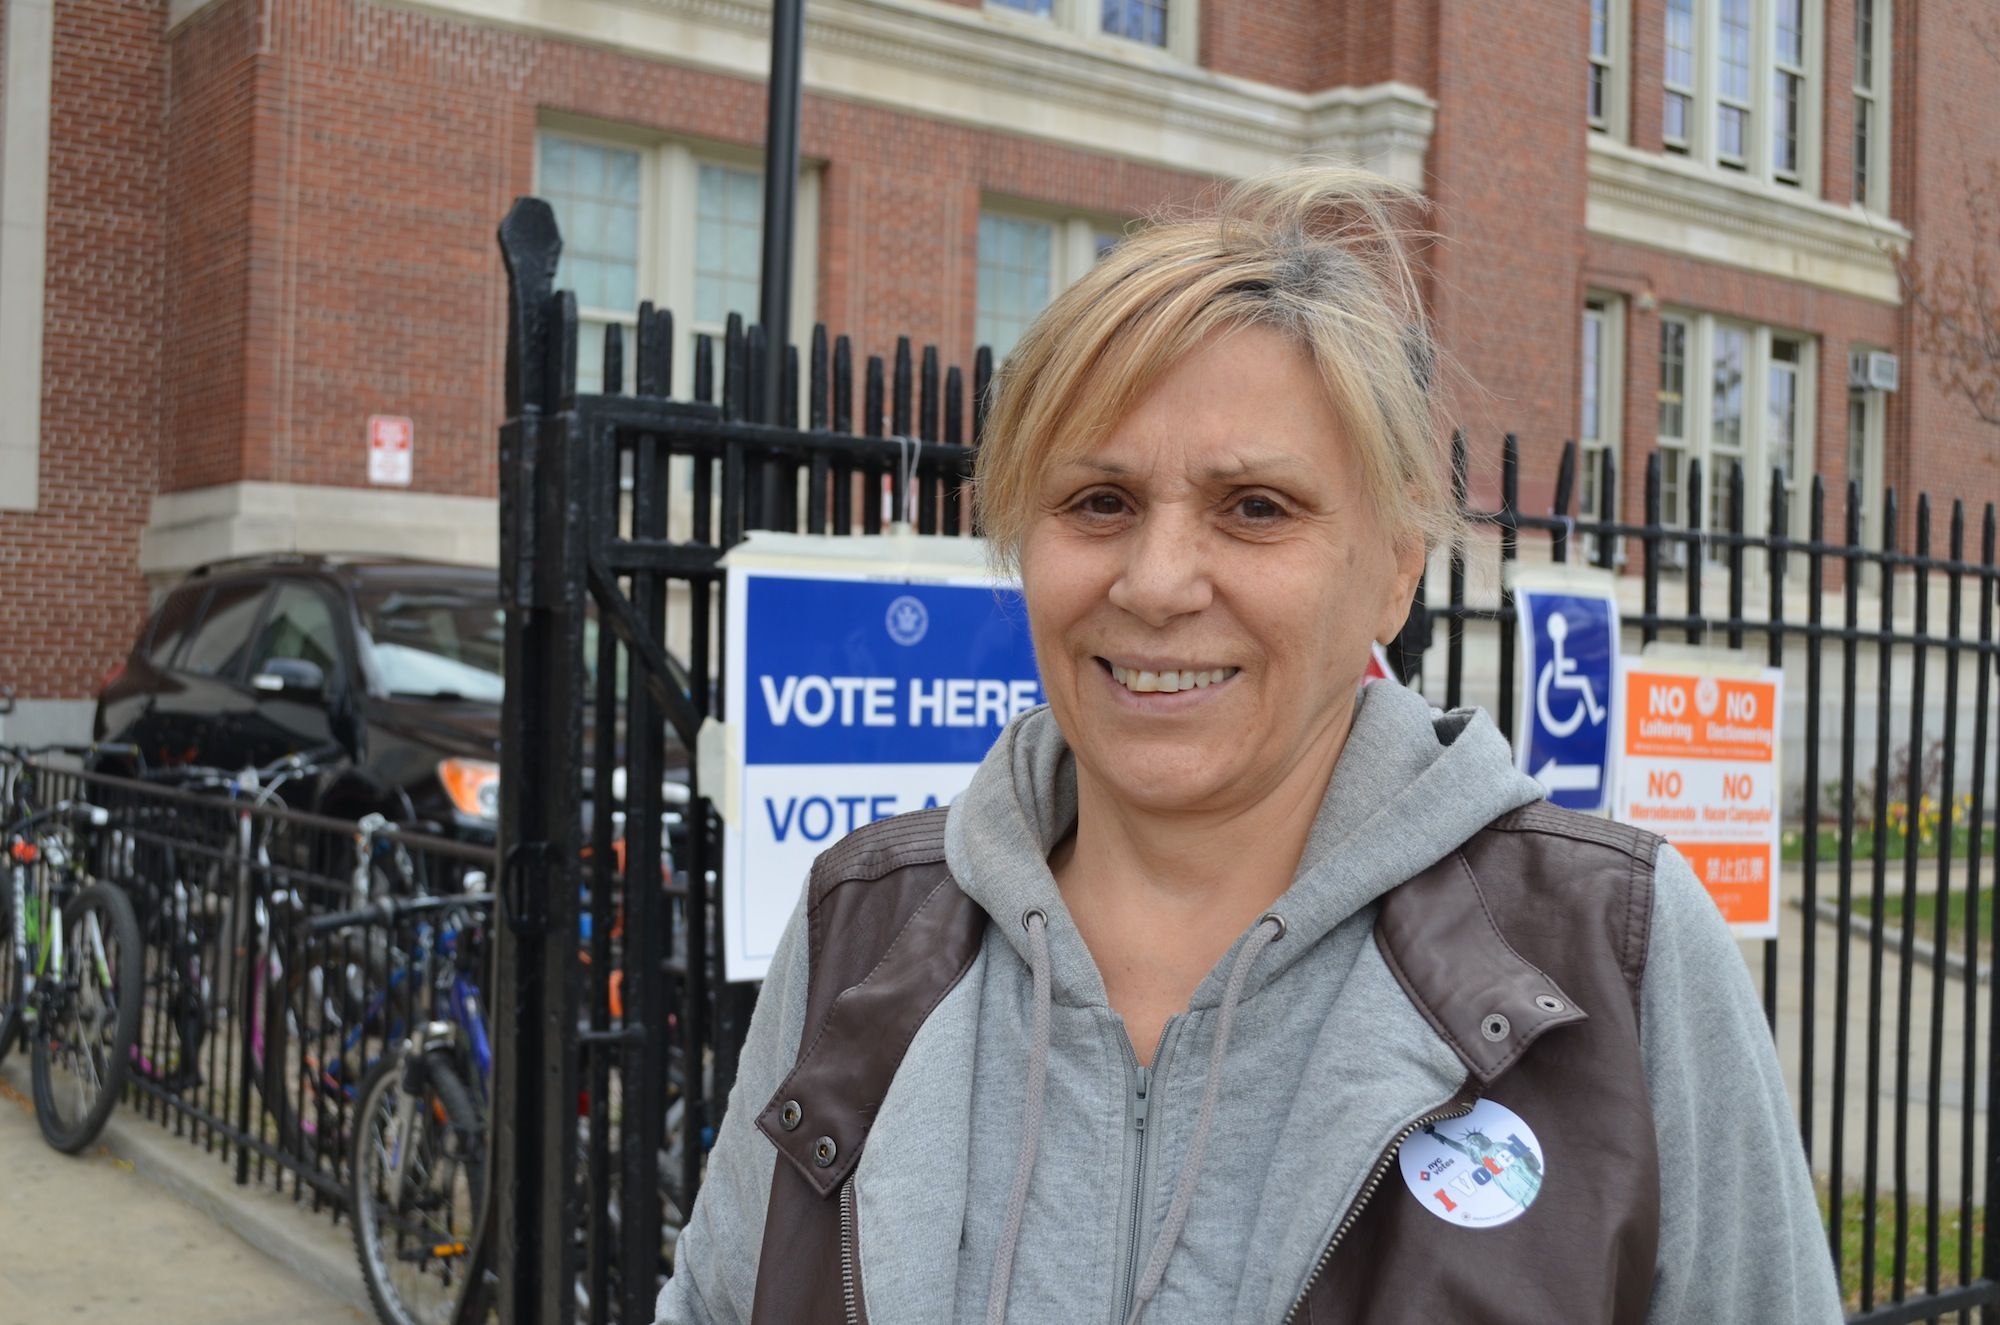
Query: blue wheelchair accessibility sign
x,y
1569,641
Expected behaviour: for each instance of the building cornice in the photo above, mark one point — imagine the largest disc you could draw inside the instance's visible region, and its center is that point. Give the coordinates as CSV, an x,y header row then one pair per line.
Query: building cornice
x,y
1000,72
188,528
1662,202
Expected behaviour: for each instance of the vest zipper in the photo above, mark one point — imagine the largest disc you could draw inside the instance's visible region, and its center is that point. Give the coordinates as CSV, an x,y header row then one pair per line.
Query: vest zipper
x,y
1458,1108
1138,1105
849,1271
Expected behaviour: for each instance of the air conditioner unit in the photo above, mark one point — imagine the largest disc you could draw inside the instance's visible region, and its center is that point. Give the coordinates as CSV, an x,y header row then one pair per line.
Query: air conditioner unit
x,y
1872,370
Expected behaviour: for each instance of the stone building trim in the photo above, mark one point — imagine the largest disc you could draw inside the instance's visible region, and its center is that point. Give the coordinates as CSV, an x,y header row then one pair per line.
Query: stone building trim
x,y
1660,202
964,66
25,108
187,529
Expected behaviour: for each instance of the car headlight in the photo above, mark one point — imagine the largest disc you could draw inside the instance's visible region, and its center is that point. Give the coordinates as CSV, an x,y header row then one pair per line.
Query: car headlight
x,y
473,785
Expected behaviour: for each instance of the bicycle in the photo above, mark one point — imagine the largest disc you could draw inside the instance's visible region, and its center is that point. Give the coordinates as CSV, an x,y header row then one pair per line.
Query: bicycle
x,y
71,975
417,1172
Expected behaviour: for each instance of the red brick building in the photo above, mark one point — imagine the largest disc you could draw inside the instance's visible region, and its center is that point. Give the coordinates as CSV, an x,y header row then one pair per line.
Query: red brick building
x,y
231,231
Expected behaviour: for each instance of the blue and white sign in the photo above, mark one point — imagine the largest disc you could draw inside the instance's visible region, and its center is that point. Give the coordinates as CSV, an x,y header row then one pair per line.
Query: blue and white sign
x,y
859,686
1569,650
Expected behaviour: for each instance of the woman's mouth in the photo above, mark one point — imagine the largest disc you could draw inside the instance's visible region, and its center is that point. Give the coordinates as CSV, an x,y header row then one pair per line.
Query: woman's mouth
x,y
1166,680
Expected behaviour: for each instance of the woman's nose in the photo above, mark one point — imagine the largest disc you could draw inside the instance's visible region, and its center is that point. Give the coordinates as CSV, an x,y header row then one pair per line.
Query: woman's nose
x,y
1165,574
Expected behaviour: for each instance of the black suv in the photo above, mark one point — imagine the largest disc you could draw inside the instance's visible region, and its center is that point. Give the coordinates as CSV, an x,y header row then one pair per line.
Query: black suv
x,y
397,662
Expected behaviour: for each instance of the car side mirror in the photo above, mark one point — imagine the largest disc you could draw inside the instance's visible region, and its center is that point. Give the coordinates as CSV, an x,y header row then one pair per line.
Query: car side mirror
x,y
291,676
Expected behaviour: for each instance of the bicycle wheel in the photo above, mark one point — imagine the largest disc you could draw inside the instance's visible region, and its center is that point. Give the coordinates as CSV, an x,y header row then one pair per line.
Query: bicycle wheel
x,y
88,1018
417,1186
306,1017
13,974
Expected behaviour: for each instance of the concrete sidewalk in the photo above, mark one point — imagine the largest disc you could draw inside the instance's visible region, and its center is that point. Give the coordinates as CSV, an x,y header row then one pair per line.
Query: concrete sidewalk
x,y
128,1231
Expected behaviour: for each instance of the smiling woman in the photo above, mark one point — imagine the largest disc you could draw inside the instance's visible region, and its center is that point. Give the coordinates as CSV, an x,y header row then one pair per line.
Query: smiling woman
x,y
1217,941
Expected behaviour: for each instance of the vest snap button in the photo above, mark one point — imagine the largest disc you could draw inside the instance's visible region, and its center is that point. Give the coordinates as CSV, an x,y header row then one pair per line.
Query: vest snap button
x,y
790,1115
1495,1027
1549,1003
824,1150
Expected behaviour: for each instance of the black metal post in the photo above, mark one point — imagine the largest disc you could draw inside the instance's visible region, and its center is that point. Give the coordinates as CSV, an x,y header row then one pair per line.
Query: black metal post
x,y
781,176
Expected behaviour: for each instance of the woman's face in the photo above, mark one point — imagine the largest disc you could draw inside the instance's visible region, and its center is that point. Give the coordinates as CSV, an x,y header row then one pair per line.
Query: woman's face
x,y
1219,536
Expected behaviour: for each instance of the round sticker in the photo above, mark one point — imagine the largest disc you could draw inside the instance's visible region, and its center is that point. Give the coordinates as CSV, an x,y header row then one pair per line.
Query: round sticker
x,y
1482,1170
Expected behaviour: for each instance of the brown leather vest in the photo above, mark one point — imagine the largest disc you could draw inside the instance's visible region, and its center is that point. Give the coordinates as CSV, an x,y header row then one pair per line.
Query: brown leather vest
x,y
1541,919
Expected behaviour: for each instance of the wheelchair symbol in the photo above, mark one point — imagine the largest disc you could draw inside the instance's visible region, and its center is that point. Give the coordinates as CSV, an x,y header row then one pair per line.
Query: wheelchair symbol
x,y
1559,674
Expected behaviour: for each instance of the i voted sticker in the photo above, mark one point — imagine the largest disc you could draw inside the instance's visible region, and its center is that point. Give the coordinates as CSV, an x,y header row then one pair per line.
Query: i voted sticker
x,y
1482,1170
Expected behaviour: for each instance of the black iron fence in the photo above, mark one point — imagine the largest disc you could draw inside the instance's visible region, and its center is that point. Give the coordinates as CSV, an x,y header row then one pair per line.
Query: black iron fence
x,y
258,1027
622,504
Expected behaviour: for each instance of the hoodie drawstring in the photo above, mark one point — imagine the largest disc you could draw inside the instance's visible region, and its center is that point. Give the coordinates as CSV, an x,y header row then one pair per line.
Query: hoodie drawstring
x,y
1037,924
1177,1213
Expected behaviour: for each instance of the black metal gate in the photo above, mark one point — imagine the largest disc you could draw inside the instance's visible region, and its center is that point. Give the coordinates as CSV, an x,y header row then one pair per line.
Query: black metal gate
x,y
617,1039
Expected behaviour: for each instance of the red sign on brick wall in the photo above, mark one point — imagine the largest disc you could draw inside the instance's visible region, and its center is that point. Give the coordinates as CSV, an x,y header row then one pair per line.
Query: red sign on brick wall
x,y
391,445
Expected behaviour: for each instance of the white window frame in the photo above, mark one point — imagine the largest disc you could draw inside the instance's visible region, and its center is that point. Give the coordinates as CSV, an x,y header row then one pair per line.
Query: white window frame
x,y
1880,104
1697,420
1874,405
1073,246
1615,121
669,174
1758,161
1084,19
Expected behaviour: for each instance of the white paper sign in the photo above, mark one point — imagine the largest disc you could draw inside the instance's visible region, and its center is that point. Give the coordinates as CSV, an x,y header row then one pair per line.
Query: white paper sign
x,y
391,449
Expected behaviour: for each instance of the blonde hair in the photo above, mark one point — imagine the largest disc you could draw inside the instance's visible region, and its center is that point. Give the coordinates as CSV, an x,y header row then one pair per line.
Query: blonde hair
x,y
1318,253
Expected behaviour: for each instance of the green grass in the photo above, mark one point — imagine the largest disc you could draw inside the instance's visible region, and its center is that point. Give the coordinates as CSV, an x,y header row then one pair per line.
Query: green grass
x,y
1926,914
1792,844
1951,1237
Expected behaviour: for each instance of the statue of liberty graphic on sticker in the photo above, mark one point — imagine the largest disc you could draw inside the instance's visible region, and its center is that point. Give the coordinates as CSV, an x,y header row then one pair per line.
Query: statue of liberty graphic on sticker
x,y
1481,1170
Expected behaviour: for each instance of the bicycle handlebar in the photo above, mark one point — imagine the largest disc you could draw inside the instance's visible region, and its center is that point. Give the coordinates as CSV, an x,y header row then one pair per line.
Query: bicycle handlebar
x,y
97,814
388,909
208,775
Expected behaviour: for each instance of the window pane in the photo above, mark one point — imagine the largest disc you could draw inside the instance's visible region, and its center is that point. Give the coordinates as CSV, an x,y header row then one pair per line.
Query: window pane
x,y
1141,20
1733,50
299,625
1674,120
1864,110
1791,43
1680,43
1038,7
1857,446
1600,28
1593,359
1864,43
1729,125
729,256
218,647
1726,417
1015,274
595,193
176,615
1673,379
1785,125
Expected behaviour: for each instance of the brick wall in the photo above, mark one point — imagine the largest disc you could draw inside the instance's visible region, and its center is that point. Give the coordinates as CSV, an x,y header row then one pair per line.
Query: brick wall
x,y
73,596
1508,292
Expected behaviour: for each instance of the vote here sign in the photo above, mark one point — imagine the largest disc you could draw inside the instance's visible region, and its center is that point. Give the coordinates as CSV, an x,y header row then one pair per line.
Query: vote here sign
x,y
1698,764
854,695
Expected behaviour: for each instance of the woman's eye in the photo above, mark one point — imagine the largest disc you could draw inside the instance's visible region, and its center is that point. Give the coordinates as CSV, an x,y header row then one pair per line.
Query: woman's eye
x,y
1261,510
1101,503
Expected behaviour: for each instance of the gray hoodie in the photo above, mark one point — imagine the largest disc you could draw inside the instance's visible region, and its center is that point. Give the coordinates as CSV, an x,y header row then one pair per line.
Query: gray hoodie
x,y
1326,1060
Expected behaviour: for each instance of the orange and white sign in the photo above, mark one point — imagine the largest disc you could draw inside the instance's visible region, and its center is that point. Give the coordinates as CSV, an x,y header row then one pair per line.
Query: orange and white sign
x,y
391,444
1698,764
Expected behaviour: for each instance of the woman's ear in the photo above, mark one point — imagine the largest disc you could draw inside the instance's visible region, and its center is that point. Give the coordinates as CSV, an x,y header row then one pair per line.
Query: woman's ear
x,y
1410,557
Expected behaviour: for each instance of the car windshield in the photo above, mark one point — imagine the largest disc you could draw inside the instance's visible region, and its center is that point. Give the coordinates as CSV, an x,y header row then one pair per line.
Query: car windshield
x,y
437,642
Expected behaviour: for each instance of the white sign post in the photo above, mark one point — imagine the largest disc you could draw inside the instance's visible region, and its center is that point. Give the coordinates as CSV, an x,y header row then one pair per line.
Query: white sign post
x,y
1698,764
867,677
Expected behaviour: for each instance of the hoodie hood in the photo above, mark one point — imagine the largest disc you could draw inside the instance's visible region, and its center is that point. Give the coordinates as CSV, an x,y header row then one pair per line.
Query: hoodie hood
x,y
1412,784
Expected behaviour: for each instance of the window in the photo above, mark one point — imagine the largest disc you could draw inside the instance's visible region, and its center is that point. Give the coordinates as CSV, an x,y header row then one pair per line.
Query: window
x,y
1864,462
171,625
1138,20
1598,431
1673,431
1738,81
299,625
662,220
218,646
1679,105
1871,104
1748,405
1788,89
437,641
1605,97
1172,26
1023,261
